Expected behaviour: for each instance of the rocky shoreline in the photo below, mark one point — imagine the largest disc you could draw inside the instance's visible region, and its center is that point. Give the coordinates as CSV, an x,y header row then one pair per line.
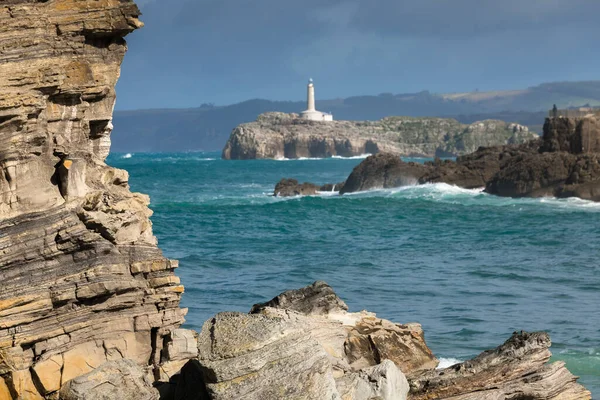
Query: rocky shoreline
x,y
89,306
279,135
304,344
565,162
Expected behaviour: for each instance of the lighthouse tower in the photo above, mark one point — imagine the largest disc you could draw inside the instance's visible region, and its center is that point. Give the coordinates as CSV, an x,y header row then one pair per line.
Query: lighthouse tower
x,y
311,113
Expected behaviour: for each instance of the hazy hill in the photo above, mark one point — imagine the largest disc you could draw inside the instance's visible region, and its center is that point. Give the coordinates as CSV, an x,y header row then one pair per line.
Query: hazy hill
x,y
208,127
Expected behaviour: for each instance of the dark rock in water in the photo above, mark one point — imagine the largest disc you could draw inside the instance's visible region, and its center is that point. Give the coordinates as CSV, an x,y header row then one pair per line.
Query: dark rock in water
x,y
572,135
291,187
331,187
550,174
517,369
383,170
318,298
470,171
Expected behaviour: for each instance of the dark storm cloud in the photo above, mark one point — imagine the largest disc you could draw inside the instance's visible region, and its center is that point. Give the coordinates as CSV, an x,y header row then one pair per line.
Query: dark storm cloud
x,y
465,18
224,51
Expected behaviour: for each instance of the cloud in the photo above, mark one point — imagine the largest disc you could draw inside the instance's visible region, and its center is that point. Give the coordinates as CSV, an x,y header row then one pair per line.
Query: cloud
x,y
223,51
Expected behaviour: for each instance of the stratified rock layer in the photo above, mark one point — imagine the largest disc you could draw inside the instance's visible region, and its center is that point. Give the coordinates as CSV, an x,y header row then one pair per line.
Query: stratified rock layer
x,y
82,281
279,135
517,369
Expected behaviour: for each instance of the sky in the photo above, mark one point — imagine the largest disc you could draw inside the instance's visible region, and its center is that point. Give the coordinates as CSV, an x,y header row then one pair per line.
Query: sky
x,y
192,52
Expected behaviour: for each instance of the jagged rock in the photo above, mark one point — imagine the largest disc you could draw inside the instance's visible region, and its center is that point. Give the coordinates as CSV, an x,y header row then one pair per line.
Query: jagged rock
x,y
572,135
470,171
353,341
279,135
515,370
291,187
83,281
383,381
318,298
252,356
123,379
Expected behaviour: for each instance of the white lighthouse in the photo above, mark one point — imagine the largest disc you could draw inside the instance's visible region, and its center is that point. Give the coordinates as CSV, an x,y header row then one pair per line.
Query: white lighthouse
x,y
311,113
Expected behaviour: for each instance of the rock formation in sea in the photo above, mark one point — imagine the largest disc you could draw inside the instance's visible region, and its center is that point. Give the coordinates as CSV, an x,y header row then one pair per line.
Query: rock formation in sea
x,y
82,281
280,135
565,162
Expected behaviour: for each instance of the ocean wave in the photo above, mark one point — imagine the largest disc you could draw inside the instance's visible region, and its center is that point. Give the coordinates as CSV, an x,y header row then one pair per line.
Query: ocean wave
x,y
360,157
128,155
443,192
447,362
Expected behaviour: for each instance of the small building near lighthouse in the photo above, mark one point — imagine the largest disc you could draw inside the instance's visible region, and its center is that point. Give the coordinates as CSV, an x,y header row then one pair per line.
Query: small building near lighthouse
x,y
311,113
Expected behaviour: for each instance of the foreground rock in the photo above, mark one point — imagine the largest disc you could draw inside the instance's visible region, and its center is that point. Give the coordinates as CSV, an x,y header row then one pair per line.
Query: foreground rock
x,y
516,370
280,135
122,379
82,280
304,344
565,163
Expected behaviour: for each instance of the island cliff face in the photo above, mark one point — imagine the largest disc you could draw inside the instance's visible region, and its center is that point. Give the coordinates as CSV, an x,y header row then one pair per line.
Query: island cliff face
x,y
81,278
280,135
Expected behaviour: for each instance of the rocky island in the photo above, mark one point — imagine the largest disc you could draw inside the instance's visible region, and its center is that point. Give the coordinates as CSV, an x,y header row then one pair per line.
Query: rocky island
x,y
89,306
280,135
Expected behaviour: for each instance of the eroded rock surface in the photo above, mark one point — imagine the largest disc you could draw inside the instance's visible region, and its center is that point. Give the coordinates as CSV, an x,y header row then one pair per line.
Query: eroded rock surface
x,y
304,344
82,281
123,379
280,135
517,369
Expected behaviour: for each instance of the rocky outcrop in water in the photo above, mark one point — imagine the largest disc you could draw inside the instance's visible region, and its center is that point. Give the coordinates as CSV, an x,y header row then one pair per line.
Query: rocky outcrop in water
x,y
82,281
557,165
291,187
280,135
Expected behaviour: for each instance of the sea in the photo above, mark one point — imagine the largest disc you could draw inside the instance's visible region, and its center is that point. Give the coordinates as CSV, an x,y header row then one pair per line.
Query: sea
x,y
472,268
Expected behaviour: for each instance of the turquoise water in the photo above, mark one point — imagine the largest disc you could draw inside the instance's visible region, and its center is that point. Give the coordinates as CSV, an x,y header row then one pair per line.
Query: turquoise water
x,y
471,268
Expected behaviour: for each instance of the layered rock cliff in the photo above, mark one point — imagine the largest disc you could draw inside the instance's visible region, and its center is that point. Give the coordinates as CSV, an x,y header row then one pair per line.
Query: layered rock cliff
x,y
279,135
82,280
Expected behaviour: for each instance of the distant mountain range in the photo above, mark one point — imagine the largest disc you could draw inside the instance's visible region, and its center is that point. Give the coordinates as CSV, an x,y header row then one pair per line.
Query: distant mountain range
x,y
208,127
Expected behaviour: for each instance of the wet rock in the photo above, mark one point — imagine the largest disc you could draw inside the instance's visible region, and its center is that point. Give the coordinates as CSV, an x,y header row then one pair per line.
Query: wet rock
x,y
122,379
291,187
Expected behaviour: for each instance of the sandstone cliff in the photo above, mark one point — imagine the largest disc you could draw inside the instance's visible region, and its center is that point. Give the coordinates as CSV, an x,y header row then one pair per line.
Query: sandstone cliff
x,y
81,278
279,135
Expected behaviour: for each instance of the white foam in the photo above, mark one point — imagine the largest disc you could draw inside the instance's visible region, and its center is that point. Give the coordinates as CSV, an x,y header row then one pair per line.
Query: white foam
x,y
128,155
360,157
447,362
